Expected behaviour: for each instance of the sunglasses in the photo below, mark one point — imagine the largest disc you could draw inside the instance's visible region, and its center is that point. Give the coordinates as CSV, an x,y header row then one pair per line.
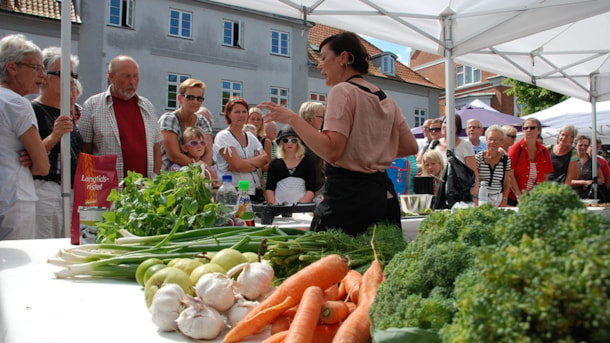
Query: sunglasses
x,y
291,140
58,74
512,136
435,129
530,128
193,97
194,143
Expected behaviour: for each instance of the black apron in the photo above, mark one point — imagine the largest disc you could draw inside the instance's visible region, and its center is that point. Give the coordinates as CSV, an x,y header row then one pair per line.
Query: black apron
x,y
353,201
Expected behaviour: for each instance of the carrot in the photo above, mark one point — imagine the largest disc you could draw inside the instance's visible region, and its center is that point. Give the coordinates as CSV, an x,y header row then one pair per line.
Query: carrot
x,y
357,327
277,337
254,324
351,306
307,316
332,292
333,311
281,323
351,283
324,333
323,273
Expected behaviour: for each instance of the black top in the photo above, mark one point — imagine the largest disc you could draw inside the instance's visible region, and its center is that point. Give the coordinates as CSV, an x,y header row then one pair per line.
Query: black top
x,y
46,116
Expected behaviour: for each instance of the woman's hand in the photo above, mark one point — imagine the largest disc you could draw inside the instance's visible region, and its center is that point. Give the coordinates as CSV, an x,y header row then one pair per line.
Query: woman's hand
x,y
278,113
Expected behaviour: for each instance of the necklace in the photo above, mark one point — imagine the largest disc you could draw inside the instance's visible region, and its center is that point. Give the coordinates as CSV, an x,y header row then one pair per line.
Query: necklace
x,y
354,77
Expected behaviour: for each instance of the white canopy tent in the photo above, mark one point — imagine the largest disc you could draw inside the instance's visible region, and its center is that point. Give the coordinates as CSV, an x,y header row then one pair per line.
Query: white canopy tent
x,y
575,112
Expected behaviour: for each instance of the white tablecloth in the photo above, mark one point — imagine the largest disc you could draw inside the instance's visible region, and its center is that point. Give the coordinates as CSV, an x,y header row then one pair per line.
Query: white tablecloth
x,y
35,307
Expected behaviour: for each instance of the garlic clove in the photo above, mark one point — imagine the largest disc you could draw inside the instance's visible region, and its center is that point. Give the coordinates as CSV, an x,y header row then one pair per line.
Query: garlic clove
x,y
255,279
166,306
216,290
200,323
239,310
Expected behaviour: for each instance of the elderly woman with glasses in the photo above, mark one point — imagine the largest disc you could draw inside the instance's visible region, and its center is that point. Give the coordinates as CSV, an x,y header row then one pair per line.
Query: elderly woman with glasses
x,y
172,124
291,177
21,73
564,156
238,152
52,126
582,184
530,160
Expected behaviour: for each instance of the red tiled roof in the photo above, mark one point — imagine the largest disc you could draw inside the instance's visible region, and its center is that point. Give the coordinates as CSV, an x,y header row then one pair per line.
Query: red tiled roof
x,y
40,8
403,73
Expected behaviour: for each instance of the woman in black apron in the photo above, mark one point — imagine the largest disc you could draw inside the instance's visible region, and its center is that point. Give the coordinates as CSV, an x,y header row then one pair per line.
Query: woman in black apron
x,y
363,132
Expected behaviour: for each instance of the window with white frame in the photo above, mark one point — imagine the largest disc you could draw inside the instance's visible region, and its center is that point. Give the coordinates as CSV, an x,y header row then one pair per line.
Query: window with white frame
x,y
173,82
120,13
278,95
388,65
280,43
419,116
180,23
320,97
232,33
229,89
465,75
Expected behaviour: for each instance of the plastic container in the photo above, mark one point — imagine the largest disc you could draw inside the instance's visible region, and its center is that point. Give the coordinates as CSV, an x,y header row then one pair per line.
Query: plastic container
x,y
483,193
244,205
89,218
227,194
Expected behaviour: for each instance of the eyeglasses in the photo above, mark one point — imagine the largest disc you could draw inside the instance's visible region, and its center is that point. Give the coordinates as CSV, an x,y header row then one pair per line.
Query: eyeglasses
x,y
512,136
58,74
435,129
473,127
525,128
195,143
291,140
193,97
37,67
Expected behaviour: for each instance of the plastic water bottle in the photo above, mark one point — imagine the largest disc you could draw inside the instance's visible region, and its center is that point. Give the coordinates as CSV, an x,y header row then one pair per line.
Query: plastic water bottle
x,y
483,193
244,206
227,194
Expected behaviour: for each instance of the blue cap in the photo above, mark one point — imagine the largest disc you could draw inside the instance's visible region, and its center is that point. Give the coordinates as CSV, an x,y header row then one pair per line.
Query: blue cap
x,y
227,178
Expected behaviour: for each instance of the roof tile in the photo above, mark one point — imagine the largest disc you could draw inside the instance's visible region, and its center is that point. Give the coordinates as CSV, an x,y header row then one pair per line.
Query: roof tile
x,y
319,32
39,8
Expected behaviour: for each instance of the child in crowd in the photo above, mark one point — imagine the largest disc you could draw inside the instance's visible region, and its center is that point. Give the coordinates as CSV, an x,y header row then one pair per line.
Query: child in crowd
x,y
194,147
433,165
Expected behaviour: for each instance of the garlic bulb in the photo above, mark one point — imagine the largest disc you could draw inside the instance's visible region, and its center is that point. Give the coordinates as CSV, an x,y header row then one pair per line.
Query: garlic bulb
x,y
240,309
216,290
166,306
254,280
200,322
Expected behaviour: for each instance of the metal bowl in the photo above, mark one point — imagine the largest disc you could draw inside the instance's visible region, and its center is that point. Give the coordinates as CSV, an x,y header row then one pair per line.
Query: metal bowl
x,y
415,203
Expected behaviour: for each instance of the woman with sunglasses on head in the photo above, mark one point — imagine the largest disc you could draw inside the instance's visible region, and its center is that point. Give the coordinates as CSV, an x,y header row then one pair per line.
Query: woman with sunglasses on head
x,y
363,132
291,178
564,156
530,160
238,152
172,125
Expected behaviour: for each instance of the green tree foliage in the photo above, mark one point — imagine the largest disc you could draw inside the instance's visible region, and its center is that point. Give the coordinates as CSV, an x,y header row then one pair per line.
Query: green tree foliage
x,y
532,98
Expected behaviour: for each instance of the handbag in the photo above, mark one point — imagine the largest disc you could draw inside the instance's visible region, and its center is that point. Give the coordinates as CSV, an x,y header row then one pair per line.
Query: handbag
x,y
456,183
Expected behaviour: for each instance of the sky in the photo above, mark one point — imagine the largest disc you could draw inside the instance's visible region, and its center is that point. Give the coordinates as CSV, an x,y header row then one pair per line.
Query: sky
x,y
401,51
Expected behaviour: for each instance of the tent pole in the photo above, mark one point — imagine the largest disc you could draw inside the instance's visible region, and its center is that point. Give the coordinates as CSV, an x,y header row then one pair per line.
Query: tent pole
x,y
66,170
594,148
449,84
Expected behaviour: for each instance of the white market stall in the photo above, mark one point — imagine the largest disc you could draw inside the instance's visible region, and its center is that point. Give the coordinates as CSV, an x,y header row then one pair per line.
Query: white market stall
x,y
575,112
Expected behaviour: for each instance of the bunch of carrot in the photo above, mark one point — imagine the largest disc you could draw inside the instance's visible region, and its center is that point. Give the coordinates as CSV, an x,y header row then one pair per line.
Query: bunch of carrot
x,y
324,302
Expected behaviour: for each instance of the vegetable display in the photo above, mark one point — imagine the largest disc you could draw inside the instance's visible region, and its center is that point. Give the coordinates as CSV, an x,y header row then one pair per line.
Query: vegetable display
x,y
539,274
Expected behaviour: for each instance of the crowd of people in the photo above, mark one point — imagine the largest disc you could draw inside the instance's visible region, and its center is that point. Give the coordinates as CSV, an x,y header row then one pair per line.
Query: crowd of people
x,y
332,154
